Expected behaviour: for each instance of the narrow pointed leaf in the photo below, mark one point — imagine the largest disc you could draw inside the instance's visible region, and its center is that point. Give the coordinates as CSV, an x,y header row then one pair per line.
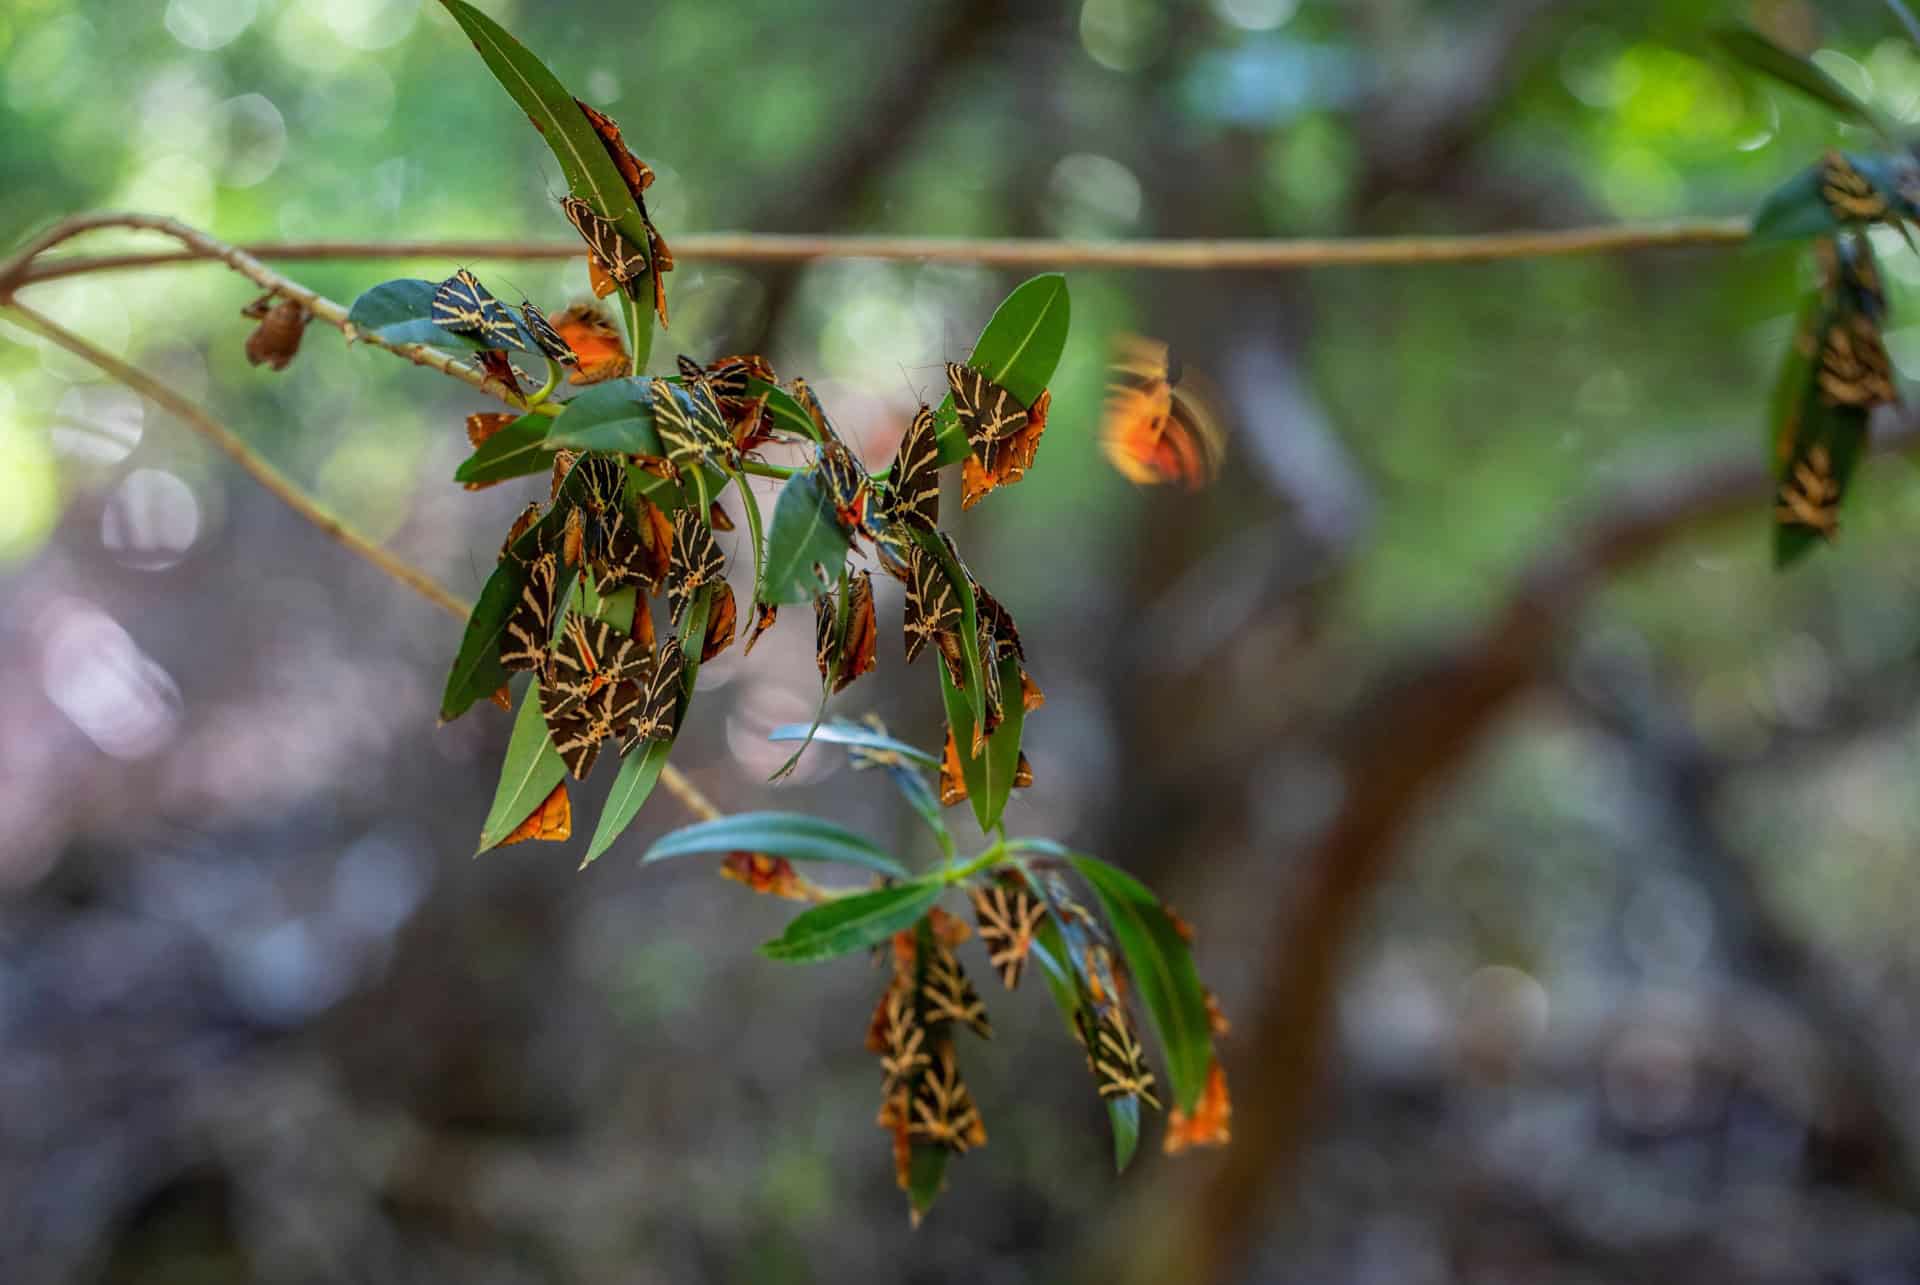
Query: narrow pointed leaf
x,y
614,416
926,1174
1790,69
804,533
847,924
989,775
841,732
527,775
584,163
477,672
786,412
518,450
793,835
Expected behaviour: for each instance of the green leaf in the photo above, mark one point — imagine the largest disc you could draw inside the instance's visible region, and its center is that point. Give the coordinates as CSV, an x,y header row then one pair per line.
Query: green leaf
x,y
847,924
399,311
919,796
1162,970
907,774
1793,211
989,776
527,776
614,416
926,1175
584,163
1787,404
517,450
477,672
793,835
1018,350
804,533
640,772
842,732
616,608
784,408
1124,1115
1790,69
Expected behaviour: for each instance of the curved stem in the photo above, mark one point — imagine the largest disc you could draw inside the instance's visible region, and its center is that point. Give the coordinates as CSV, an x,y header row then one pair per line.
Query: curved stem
x,y
966,870
755,532
760,468
540,395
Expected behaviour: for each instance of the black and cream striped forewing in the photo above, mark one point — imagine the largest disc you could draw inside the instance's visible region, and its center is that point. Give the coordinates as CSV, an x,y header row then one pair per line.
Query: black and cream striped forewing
x,y
545,335
694,563
463,306
617,255
987,411
914,483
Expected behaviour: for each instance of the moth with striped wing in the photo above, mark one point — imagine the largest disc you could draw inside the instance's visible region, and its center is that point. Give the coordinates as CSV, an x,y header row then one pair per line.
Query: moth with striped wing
x,y
594,691
616,255
544,335
913,483
932,613
1119,1063
659,715
903,1053
950,996
1159,425
529,631
943,1112
1003,435
1008,917
638,177
988,413
1810,497
689,420
843,654
841,474
600,531
600,352
695,562
462,306
1850,195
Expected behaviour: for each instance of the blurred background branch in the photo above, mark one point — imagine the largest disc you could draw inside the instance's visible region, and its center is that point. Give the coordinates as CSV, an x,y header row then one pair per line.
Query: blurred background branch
x,y
1406,740
1194,255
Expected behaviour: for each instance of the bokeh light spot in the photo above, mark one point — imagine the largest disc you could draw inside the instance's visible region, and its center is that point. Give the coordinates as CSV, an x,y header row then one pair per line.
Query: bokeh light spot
x,y
208,24
151,520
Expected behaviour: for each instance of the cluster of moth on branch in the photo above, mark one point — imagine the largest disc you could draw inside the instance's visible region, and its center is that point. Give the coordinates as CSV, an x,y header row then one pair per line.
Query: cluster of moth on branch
x,y
637,464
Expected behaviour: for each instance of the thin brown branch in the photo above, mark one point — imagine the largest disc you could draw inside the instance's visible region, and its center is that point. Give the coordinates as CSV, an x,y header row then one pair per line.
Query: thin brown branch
x,y
1407,742
1169,255
22,269
14,272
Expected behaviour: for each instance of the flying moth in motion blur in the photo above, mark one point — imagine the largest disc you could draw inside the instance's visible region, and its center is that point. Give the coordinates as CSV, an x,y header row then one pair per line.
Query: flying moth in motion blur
x,y
1159,426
